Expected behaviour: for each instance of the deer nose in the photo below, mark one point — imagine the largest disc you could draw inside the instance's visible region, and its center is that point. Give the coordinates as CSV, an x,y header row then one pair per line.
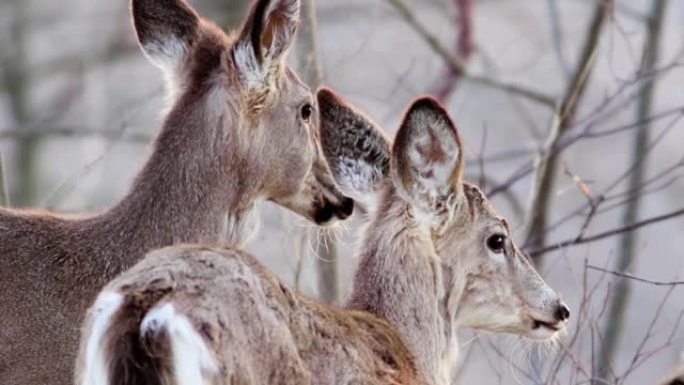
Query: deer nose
x,y
346,208
341,211
562,312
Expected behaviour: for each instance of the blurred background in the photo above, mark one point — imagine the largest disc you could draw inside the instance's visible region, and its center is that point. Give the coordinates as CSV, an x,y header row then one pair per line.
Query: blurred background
x,y
570,111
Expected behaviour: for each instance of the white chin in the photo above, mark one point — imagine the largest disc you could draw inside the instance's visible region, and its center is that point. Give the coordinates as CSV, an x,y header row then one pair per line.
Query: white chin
x,y
542,333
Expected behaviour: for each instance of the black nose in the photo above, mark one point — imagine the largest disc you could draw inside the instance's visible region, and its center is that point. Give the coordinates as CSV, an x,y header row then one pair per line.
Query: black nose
x,y
342,211
346,209
563,312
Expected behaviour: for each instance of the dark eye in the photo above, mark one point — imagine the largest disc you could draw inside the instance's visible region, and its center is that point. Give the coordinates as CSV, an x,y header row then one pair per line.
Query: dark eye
x,y
306,112
496,243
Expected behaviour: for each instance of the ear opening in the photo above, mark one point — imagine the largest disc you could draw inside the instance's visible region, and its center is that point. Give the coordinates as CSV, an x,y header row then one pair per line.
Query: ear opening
x,y
428,159
165,29
357,150
265,38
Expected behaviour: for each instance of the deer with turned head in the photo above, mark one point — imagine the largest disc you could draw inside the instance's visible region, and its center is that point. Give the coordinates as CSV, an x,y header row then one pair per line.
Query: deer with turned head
x,y
435,257
241,128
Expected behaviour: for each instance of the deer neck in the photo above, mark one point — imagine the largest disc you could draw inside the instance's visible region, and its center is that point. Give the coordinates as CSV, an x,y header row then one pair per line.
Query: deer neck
x,y
191,190
401,279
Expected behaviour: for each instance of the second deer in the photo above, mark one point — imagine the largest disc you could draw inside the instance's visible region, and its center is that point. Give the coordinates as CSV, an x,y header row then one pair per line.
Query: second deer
x,y
435,258
240,129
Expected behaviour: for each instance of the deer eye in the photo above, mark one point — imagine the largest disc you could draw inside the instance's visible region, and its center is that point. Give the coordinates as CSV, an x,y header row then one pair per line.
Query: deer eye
x,y
306,112
496,243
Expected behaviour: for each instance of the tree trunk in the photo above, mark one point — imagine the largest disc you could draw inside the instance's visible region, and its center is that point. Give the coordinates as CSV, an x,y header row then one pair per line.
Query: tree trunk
x,y
614,325
547,167
16,85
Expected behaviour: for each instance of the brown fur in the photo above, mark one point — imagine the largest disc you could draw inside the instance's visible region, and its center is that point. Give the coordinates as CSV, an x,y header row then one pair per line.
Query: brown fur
x,y
424,262
208,167
425,270
262,331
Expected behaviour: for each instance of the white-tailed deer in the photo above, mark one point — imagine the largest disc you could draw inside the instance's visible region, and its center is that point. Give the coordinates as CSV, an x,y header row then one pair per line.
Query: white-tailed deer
x,y
434,258
240,129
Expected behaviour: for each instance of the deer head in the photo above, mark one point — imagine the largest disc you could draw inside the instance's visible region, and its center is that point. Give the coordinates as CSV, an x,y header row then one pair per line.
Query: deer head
x,y
416,184
257,117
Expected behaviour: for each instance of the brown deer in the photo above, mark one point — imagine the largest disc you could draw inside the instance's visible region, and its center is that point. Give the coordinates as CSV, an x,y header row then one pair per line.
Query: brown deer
x,y
241,128
435,257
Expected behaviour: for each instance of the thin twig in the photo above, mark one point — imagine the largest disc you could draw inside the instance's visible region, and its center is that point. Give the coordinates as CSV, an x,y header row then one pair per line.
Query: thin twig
x,y
622,176
649,332
457,66
541,195
606,234
635,278
68,132
614,322
447,81
589,121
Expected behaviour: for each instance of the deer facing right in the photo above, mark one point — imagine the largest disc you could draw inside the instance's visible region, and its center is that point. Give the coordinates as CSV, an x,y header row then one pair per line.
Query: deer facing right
x,y
435,257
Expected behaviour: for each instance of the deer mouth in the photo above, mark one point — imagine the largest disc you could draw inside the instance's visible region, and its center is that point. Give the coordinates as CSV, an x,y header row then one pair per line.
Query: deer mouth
x,y
555,326
543,330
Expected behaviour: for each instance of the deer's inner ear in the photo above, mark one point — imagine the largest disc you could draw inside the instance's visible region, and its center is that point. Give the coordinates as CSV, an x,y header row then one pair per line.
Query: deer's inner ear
x,y
265,38
428,159
354,146
165,30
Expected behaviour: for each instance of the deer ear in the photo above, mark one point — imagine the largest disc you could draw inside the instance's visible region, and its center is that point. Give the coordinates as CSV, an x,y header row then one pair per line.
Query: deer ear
x,y
265,38
166,29
428,159
356,148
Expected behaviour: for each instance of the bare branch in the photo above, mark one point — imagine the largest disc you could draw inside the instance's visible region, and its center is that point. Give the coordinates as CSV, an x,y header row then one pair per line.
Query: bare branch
x,y
614,325
635,278
606,234
540,198
446,82
589,122
457,66
625,174
78,132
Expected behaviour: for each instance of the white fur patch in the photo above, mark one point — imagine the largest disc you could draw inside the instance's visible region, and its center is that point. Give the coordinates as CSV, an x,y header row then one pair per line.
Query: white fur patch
x,y
106,305
241,228
499,258
254,74
168,55
358,180
446,365
490,316
192,359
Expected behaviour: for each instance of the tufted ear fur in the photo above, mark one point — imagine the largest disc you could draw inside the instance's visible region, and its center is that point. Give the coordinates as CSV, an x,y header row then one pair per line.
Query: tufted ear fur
x,y
356,148
265,39
165,29
428,161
